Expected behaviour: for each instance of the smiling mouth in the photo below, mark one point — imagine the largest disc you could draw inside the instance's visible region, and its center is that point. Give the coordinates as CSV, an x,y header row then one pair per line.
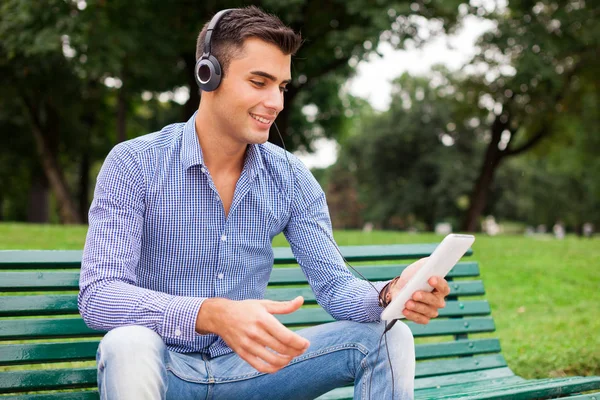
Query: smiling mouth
x,y
261,119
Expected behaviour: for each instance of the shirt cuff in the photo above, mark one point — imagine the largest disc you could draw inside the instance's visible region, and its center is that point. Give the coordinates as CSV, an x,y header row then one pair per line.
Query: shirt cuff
x,y
372,308
180,318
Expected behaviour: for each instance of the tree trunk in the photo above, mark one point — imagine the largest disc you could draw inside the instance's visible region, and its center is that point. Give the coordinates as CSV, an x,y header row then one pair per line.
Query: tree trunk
x,y
493,157
38,210
48,160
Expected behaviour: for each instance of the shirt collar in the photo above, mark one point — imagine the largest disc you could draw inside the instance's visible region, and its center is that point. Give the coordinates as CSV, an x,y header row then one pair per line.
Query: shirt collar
x,y
191,152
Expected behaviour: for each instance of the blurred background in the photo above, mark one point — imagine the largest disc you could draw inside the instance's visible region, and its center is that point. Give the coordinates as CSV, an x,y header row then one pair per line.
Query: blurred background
x,y
470,116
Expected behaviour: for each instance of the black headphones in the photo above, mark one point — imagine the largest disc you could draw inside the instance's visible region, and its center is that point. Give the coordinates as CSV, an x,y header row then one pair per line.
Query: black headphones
x,y
208,71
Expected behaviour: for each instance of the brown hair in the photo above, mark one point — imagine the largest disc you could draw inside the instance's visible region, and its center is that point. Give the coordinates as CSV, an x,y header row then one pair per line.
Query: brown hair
x,y
240,24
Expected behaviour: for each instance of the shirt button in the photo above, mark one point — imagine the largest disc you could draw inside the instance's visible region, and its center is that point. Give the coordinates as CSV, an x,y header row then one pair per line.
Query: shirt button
x,y
203,170
177,332
223,238
220,276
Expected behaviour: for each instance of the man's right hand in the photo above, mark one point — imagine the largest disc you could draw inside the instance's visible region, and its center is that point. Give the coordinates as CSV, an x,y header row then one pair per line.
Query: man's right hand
x,y
251,330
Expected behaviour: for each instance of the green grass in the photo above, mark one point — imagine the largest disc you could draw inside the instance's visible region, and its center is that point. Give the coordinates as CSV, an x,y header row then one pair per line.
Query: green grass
x,y
544,293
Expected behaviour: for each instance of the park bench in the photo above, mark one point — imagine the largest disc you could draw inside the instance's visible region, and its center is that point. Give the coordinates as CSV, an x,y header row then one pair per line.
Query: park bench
x,y
47,352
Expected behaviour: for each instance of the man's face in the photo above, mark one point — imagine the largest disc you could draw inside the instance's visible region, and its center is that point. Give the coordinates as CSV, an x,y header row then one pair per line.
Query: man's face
x,y
251,93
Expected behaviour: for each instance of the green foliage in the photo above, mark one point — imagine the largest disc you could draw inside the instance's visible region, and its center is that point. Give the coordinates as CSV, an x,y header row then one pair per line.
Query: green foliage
x,y
77,74
404,172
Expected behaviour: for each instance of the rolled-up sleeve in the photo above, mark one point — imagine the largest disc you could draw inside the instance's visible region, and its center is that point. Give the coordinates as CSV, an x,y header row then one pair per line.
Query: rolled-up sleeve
x,y
108,296
309,233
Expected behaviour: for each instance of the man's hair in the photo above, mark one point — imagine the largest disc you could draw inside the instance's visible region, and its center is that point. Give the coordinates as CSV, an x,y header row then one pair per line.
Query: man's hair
x,y
240,24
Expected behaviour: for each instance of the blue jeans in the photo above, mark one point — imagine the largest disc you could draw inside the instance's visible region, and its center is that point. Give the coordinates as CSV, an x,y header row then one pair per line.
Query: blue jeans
x,y
134,363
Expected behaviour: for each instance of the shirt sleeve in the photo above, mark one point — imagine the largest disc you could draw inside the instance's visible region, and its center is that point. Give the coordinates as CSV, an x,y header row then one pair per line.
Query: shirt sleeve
x,y
108,296
309,233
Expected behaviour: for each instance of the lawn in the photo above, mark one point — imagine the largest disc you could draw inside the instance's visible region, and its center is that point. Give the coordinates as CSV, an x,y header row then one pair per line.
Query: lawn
x,y
543,292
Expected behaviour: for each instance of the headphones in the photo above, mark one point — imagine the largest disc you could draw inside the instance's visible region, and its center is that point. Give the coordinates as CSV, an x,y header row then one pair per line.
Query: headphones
x,y
208,71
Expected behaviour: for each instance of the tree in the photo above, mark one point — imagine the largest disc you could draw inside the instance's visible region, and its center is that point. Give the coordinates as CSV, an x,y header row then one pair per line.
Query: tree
x,y
536,63
412,163
76,71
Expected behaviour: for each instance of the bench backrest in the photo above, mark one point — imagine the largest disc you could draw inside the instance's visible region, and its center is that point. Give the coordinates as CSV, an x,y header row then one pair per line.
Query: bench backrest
x,y
40,324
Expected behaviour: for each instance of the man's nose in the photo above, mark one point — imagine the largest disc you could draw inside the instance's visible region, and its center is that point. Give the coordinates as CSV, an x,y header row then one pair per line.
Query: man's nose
x,y
274,99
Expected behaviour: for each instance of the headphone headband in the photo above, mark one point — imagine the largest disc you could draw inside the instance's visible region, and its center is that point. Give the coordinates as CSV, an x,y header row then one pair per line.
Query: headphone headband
x,y
209,31
208,69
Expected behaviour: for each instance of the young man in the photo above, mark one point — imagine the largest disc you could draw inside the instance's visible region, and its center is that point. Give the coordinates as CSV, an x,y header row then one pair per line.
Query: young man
x,y
178,252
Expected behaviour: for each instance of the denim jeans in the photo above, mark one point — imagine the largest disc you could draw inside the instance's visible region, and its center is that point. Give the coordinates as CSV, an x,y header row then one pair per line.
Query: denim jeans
x,y
134,363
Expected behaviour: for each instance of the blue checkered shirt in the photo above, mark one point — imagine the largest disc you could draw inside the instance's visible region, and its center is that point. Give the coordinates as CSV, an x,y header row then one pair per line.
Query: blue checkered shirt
x,y
159,242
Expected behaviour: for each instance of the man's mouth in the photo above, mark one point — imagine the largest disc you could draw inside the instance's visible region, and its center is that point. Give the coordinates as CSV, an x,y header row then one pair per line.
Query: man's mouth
x,y
261,119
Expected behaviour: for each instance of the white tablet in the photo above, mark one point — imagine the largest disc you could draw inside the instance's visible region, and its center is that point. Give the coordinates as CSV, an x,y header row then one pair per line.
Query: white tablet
x,y
442,260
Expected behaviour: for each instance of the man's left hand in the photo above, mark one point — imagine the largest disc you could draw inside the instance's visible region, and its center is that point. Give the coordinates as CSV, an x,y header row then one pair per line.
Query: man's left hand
x,y
423,306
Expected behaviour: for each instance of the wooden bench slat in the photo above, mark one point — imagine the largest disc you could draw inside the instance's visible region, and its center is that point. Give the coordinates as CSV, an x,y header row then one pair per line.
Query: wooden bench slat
x,y
40,259
458,365
463,347
21,381
60,304
467,387
14,354
87,395
309,316
83,377
11,354
69,280
462,378
452,327
39,281
525,389
40,328
55,304
505,376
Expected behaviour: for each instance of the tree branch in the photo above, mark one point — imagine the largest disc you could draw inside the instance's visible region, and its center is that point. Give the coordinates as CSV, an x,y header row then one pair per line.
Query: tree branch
x,y
541,133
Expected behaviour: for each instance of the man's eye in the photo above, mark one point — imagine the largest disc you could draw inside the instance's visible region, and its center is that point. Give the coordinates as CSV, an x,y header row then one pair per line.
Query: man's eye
x,y
259,84
283,89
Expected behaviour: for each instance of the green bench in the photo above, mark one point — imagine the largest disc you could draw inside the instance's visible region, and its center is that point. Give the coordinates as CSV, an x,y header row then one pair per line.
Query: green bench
x,y
47,352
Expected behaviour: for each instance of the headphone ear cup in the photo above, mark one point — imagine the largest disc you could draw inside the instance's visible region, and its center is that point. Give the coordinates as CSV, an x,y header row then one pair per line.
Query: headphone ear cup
x,y
208,73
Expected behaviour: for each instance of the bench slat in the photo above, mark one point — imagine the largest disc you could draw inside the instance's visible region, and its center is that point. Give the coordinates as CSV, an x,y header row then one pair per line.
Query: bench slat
x,y
14,354
347,392
40,259
40,328
69,280
452,327
11,306
87,395
458,365
463,378
526,389
85,377
20,381
11,354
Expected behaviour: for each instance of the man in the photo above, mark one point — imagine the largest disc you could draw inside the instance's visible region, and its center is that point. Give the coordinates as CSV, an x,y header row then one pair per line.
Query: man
x,y
178,252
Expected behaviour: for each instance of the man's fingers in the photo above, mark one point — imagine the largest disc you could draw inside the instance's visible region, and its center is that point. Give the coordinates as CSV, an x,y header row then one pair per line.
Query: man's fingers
x,y
283,307
423,309
285,336
415,317
257,363
430,299
269,341
439,284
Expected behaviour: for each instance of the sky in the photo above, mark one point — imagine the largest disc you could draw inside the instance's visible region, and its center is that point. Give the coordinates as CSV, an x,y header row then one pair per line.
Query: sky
x,y
374,75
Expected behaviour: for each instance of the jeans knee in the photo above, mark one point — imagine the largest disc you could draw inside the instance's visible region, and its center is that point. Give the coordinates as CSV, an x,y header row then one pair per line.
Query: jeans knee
x,y
401,334
131,342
